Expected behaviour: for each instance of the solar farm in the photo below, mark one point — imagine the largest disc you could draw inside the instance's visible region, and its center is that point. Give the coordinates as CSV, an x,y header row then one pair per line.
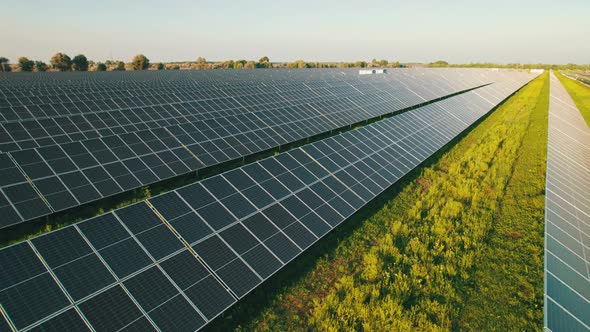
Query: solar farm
x,y
272,162
76,144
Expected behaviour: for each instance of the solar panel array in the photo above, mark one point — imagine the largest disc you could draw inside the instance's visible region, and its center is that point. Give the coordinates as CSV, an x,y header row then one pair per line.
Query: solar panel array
x,y
178,260
69,142
567,216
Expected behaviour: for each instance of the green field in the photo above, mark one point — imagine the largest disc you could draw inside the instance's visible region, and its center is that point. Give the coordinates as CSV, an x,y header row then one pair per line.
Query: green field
x,y
579,92
457,245
509,289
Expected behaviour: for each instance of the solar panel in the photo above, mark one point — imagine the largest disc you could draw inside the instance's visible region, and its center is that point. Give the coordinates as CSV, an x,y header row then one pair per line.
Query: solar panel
x,y
68,160
567,216
102,271
158,273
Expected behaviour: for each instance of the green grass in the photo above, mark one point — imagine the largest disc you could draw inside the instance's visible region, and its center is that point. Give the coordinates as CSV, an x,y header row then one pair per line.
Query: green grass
x,y
579,92
508,294
416,258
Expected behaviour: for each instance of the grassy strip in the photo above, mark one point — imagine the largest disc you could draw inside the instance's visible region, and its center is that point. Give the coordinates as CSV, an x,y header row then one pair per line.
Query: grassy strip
x,y
410,263
508,292
579,92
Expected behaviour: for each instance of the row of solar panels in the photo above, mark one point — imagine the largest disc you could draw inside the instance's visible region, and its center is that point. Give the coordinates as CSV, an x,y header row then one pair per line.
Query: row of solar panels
x,y
21,85
50,131
38,103
40,181
176,261
27,125
567,216
79,80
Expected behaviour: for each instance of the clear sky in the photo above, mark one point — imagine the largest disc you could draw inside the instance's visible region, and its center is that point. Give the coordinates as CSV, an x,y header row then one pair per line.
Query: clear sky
x,y
459,31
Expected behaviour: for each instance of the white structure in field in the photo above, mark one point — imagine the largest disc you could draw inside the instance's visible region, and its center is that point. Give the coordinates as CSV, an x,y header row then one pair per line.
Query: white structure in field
x,y
372,71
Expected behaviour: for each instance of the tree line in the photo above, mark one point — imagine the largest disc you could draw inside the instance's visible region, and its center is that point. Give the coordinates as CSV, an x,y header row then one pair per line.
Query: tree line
x,y
63,62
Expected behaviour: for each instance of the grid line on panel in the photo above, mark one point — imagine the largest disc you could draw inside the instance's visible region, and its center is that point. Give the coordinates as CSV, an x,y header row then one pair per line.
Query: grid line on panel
x,y
118,280
257,211
572,316
30,182
190,249
152,265
6,318
232,249
61,286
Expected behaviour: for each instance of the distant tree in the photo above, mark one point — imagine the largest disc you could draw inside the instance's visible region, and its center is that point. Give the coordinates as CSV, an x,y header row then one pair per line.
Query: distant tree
x,y
4,67
175,67
109,62
160,66
140,62
25,64
361,64
228,64
61,61
40,66
264,62
298,64
101,67
120,65
250,65
80,63
201,63
439,63
239,64
383,63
